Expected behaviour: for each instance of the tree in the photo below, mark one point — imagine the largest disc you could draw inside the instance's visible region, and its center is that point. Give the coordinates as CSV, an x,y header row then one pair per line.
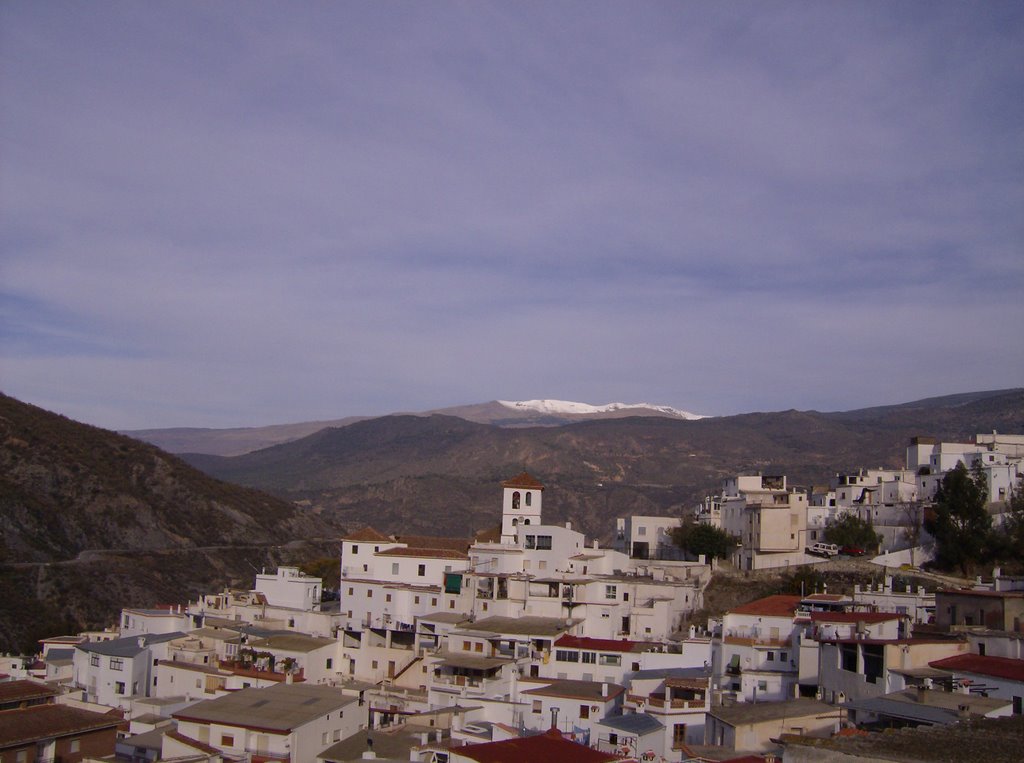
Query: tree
x,y
851,530
959,521
1008,544
698,538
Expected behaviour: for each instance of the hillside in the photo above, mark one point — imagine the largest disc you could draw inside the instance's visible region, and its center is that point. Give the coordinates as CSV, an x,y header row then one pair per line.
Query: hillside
x,y
67,489
441,473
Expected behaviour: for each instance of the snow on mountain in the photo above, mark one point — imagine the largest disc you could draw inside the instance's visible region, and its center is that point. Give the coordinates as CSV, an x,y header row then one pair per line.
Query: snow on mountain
x,y
566,407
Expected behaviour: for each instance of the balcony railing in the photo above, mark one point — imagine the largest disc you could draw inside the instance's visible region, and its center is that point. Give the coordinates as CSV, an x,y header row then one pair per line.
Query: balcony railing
x,y
661,702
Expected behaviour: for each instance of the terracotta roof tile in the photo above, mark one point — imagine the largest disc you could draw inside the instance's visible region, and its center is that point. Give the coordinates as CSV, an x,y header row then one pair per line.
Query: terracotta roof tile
x,y
523,479
432,553
47,721
368,534
549,747
997,667
599,644
779,605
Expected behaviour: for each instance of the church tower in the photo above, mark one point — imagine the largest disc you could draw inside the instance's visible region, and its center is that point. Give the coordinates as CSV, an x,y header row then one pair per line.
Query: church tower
x,y
520,505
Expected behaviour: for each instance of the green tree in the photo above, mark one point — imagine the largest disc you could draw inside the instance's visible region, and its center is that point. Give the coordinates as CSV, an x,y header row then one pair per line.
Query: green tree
x,y
698,538
959,522
1007,542
851,530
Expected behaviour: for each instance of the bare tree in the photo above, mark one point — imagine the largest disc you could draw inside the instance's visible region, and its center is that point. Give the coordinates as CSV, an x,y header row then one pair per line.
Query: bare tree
x,y
913,515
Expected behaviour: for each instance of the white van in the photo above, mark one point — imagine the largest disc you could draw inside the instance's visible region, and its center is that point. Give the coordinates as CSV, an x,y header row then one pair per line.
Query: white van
x,y
823,549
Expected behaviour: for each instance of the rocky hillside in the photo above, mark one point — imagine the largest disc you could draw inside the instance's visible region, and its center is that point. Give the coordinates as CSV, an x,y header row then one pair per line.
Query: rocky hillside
x,y
441,473
67,490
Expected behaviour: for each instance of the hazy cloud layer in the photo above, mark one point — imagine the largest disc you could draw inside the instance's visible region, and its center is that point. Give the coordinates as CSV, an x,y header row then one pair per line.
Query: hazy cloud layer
x,y
240,213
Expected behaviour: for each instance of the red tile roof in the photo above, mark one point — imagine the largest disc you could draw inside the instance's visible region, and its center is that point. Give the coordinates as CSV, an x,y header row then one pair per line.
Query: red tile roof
x,y
997,667
368,534
854,617
779,605
432,553
549,747
599,644
523,479
41,722
24,691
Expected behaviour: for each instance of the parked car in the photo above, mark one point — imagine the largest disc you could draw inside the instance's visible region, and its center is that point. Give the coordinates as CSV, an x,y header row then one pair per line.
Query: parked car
x,y
852,551
826,550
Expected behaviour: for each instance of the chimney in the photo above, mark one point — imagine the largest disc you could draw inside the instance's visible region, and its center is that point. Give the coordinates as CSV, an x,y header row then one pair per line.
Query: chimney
x,y
142,641
568,525
963,712
369,754
604,690
289,678
554,718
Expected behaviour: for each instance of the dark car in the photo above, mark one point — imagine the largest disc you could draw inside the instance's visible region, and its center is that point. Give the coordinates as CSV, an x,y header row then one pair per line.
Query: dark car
x,y
852,551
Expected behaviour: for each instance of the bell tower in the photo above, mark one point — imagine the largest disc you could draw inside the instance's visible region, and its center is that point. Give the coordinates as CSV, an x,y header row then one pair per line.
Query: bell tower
x,y
521,505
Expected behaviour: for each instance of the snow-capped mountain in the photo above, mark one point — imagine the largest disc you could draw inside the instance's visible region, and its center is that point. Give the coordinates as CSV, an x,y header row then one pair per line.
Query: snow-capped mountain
x,y
567,407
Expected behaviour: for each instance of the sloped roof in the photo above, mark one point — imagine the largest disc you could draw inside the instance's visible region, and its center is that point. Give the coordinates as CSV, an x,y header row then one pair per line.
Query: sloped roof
x,y
47,721
549,747
368,534
587,690
425,552
600,644
24,690
523,479
279,708
779,605
997,667
128,646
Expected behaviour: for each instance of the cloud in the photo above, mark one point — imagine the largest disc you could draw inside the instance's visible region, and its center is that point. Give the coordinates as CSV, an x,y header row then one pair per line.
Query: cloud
x,y
237,213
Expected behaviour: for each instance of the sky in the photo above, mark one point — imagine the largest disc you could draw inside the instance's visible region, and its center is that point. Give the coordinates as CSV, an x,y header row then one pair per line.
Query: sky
x,y
242,213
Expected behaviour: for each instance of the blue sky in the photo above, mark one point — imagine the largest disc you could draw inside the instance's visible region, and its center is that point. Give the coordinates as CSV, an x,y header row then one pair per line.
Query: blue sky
x,y
229,214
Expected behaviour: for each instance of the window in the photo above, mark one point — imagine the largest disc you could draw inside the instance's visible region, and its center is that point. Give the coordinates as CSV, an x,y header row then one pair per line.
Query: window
x,y
584,711
227,740
355,549
531,541
75,745
515,500
330,663
94,660
762,686
611,592
433,601
394,568
421,570
451,604
350,590
369,593
848,657
641,530
771,656
782,656
567,655
611,659
415,599
538,706
387,597
466,646
119,687
588,657
116,663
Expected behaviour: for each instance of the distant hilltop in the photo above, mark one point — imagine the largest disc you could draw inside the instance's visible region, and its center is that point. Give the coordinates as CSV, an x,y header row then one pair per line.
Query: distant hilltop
x,y
569,408
501,413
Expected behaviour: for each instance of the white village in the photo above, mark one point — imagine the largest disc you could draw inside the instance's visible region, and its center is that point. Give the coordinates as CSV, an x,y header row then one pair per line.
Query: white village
x,y
532,642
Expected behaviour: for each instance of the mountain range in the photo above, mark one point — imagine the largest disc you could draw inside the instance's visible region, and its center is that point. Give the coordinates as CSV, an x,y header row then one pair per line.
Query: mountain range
x,y
92,520
440,473
502,413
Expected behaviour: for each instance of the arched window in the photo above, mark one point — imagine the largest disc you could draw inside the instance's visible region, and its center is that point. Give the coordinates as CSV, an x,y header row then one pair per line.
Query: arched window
x,y
515,521
515,500
528,497
526,521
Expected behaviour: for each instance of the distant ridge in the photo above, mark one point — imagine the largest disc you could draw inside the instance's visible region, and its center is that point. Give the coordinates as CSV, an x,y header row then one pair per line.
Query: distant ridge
x,y
502,413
